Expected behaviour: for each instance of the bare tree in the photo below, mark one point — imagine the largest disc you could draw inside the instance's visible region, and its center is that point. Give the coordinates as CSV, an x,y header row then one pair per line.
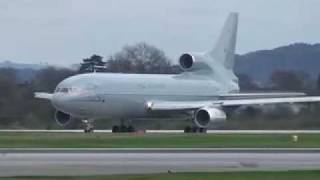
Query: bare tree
x,y
140,58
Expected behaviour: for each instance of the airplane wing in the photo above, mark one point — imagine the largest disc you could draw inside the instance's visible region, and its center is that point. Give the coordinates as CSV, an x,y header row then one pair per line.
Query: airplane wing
x,y
261,95
192,105
43,95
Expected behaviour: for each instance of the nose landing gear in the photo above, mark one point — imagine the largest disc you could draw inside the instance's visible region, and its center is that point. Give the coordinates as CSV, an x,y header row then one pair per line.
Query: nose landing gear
x,y
88,126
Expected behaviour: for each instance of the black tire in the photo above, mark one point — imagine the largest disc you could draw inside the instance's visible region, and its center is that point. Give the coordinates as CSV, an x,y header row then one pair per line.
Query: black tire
x,y
131,129
195,129
115,129
187,129
91,130
202,130
123,129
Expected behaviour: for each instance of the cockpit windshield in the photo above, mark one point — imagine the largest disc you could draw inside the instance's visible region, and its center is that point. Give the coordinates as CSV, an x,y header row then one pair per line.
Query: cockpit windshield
x,y
70,90
62,90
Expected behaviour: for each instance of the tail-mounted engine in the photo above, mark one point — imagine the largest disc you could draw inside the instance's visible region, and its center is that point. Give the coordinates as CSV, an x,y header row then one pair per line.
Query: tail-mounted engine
x,y
189,62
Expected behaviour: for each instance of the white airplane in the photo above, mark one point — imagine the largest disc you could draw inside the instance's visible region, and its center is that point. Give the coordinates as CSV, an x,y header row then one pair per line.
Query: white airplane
x,y
203,92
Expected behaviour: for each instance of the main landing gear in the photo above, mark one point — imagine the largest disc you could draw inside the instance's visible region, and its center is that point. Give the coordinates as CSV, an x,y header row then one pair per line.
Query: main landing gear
x,y
122,128
194,129
88,126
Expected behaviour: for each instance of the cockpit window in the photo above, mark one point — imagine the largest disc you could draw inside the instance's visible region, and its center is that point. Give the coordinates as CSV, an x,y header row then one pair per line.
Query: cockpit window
x,y
69,90
64,90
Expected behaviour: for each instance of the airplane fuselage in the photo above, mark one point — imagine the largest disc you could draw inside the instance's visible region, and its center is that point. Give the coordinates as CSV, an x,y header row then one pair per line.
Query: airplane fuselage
x,y
97,95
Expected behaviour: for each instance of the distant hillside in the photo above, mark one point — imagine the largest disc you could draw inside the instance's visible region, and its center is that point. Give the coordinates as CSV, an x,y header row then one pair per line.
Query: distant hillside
x,y
14,65
259,65
25,72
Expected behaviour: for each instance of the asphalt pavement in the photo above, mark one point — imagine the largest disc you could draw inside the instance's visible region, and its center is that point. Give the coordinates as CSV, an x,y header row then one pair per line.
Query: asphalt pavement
x,y
61,162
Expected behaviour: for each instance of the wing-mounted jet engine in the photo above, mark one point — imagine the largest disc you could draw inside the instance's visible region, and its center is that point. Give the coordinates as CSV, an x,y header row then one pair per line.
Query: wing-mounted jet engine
x,y
208,116
62,118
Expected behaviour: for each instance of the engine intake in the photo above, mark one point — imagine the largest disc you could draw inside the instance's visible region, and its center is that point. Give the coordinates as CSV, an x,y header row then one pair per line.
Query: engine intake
x,y
206,116
62,118
186,61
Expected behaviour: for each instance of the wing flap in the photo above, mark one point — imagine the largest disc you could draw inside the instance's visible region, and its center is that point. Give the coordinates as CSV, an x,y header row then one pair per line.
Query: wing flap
x,y
176,105
261,95
263,101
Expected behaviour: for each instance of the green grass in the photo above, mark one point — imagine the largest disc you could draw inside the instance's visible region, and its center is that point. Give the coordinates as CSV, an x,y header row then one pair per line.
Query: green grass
x,y
107,140
285,175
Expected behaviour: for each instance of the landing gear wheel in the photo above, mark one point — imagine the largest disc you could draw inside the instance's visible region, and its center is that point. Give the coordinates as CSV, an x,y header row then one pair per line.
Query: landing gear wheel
x,y
115,129
194,129
89,127
131,129
123,129
202,130
187,129
89,130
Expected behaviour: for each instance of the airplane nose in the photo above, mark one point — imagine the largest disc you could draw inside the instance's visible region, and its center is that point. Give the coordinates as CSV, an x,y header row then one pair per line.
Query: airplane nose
x,y
63,103
57,101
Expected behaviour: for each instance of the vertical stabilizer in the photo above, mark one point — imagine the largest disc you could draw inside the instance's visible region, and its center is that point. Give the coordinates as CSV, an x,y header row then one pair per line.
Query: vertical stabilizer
x,y
225,48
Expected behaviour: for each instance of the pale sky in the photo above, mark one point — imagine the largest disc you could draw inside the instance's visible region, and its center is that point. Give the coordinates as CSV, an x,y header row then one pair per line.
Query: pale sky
x,y
66,31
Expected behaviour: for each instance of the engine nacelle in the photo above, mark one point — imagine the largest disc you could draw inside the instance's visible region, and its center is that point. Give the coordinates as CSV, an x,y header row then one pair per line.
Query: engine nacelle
x,y
186,61
189,62
62,118
207,115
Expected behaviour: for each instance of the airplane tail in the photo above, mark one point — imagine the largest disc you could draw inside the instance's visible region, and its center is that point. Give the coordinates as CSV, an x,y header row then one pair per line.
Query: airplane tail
x,y
224,50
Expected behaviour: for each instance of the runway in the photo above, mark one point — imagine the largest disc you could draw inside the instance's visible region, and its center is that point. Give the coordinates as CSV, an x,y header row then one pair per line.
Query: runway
x,y
168,131
33,162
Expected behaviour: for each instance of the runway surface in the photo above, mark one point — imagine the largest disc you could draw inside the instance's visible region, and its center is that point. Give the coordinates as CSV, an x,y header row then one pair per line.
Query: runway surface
x,y
168,131
31,162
